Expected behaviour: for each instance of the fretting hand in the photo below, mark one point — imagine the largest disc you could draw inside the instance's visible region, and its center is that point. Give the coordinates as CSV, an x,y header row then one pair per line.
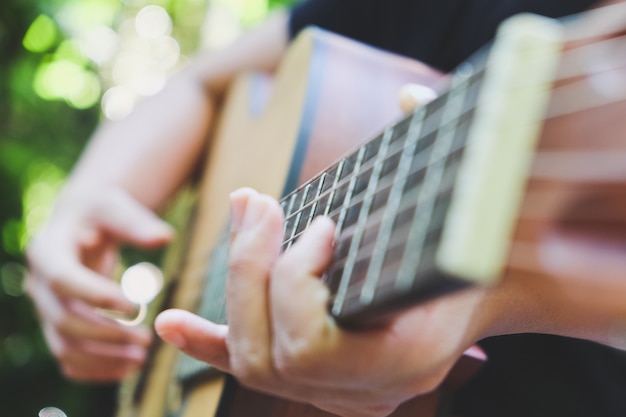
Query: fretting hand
x,y
281,340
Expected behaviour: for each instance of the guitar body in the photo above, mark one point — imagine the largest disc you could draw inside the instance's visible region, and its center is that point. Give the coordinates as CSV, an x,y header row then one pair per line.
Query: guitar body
x,y
274,133
332,93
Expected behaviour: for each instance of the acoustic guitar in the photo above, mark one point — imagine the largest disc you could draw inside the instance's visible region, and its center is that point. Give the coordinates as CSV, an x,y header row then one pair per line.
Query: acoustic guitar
x,y
459,193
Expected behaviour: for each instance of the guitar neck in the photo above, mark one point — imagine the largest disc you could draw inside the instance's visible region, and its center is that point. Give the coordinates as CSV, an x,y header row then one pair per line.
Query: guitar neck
x,y
414,207
376,195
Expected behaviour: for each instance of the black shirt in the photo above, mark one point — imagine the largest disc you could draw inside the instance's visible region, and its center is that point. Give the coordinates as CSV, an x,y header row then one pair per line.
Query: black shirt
x,y
526,375
441,33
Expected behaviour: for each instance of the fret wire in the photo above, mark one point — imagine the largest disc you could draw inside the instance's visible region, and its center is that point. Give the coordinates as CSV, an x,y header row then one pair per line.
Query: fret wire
x,y
379,217
386,183
295,203
290,205
475,76
292,197
345,204
362,217
315,200
343,283
288,234
329,201
395,198
370,163
426,201
296,223
332,193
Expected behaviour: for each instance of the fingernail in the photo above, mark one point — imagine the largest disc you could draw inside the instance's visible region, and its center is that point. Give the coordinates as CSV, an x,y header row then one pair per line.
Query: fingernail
x,y
238,205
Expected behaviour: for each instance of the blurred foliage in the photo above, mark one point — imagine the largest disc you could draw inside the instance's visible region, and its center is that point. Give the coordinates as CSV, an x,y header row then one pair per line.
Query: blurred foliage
x,y
51,85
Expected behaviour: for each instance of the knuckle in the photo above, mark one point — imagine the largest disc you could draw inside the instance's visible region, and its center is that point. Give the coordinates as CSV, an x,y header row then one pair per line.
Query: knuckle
x,y
253,371
298,359
240,265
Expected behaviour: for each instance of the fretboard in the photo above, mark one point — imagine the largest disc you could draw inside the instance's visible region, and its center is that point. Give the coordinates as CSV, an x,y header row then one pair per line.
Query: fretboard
x,y
388,198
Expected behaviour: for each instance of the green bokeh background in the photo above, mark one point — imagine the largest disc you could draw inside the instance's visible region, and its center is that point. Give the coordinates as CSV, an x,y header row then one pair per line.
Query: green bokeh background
x,y
40,138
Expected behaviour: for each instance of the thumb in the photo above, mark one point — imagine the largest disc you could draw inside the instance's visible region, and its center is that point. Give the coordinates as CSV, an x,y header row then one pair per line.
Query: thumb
x,y
127,220
197,337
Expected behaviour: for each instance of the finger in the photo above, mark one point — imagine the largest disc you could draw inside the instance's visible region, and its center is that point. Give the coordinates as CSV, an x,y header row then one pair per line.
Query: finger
x,y
256,244
311,348
78,321
238,204
102,258
101,375
199,338
125,219
299,297
74,281
82,322
307,343
59,268
75,327
206,341
96,361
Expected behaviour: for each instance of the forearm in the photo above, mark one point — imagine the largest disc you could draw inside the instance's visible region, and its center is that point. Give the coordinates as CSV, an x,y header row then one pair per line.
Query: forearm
x,y
538,304
153,151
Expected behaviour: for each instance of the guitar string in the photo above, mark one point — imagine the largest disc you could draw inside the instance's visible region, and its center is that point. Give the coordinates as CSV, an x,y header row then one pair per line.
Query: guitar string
x,y
592,170
394,150
574,64
560,105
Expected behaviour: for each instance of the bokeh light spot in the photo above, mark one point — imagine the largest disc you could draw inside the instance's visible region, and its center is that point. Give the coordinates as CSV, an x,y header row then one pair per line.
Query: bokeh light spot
x,y
117,103
141,283
152,22
99,44
66,80
18,348
11,232
41,35
12,278
44,181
